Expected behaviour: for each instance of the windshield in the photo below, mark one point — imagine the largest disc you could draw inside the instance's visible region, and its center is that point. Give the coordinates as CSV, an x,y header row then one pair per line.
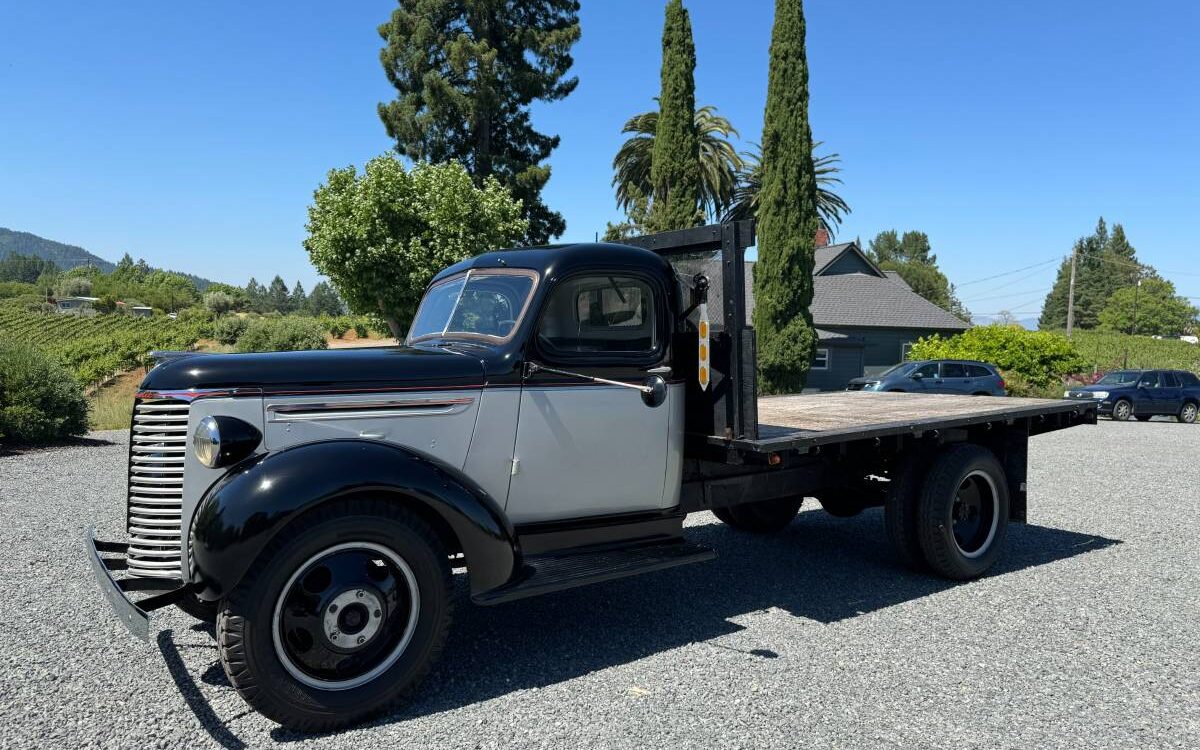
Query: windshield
x,y
480,304
899,369
1123,377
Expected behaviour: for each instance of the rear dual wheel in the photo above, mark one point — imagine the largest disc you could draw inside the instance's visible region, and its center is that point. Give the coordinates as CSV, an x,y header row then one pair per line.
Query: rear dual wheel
x,y
952,518
339,618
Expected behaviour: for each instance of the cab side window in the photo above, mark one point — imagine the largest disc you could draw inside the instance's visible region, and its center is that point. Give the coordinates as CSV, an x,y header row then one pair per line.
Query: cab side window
x,y
1148,380
600,316
927,371
953,370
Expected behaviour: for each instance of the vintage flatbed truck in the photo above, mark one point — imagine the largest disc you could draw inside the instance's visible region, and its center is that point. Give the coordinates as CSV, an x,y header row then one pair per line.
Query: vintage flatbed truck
x,y
551,419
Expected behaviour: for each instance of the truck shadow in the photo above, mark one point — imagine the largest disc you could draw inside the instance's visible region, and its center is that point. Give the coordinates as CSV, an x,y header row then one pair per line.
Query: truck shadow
x,y
820,568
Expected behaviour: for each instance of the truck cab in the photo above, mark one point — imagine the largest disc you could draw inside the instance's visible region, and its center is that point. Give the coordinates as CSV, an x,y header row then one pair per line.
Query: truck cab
x,y
551,418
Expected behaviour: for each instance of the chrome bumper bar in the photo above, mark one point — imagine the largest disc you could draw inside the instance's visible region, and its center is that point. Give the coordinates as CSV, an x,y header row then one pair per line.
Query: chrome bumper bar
x,y
135,615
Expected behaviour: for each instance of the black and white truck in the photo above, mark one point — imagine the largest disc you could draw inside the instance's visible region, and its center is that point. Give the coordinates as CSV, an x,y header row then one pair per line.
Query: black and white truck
x,y
550,420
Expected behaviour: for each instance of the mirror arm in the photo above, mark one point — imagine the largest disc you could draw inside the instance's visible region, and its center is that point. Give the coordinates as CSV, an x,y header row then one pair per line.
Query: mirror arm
x,y
532,368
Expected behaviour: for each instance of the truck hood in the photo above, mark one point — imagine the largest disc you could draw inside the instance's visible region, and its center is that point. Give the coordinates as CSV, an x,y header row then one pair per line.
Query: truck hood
x,y
399,367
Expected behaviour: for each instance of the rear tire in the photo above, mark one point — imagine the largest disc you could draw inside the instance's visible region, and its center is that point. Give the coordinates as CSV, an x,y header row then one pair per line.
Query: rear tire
x,y
1188,413
900,511
962,516
1122,410
294,660
762,517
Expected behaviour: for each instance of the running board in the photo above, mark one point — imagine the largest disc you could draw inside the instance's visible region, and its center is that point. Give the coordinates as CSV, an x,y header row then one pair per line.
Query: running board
x,y
543,574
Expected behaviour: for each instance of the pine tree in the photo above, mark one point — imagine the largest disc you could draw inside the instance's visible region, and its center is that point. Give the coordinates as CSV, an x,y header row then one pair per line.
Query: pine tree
x,y
465,73
675,166
787,214
1105,263
277,295
298,300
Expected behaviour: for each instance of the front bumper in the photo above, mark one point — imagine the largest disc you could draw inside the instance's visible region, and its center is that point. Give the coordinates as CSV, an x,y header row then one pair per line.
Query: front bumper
x,y
134,615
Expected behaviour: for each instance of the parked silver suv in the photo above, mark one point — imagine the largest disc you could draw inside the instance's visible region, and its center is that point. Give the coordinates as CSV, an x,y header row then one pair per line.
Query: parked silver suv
x,y
963,376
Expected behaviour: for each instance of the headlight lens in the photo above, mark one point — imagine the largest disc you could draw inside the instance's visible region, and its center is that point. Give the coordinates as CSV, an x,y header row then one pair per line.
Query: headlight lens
x,y
206,442
1100,394
1066,394
223,441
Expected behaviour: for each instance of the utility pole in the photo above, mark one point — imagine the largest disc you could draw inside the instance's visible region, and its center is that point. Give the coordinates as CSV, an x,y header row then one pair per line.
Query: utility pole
x,y
1071,294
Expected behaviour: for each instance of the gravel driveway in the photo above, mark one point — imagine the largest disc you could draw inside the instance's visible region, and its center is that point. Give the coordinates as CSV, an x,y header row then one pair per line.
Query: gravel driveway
x,y
1088,635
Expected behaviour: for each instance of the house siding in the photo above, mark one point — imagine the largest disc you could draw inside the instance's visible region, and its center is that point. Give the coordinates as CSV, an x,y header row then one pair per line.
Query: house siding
x,y
845,362
883,346
848,262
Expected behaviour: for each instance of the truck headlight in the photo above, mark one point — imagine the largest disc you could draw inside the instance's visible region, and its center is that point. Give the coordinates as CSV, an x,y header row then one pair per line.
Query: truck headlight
x,y
221,441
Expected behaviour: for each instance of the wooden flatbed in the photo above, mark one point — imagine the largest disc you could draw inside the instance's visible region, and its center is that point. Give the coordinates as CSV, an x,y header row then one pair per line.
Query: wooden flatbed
x,y
806,421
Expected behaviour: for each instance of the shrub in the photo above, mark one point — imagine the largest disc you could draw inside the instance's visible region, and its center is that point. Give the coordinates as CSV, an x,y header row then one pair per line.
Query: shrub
x,y
281,334
360,329
1039,359
229,329
16,289
39,399
338,327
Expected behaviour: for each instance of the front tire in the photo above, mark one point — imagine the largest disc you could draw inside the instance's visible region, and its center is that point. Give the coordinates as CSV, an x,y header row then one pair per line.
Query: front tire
x,y
963,512
1122,410
339,617
762,517
1188,413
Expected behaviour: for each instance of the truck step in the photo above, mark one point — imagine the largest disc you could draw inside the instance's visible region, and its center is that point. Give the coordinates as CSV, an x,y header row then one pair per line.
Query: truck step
x,y
543,574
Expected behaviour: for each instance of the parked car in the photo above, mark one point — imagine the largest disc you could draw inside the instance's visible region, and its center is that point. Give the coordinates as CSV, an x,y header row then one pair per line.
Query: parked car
x,y
964,376
1144,393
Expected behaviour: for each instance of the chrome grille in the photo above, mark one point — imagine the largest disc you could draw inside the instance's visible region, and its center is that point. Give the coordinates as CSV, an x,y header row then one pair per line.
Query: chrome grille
x,y
158,445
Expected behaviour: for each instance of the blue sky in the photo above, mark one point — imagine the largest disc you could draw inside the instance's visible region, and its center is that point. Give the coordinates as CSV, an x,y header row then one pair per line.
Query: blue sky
x,y
193,134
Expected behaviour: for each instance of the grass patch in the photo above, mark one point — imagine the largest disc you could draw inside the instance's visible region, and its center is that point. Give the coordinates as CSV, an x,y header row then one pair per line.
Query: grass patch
x,y
111,406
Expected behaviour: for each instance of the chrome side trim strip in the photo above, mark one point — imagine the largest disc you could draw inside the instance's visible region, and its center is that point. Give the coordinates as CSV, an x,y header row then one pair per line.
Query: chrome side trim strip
x,y
332,410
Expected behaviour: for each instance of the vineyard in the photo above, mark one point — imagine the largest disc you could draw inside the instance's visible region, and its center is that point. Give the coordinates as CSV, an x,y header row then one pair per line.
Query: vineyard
x,y
1108,351
94,348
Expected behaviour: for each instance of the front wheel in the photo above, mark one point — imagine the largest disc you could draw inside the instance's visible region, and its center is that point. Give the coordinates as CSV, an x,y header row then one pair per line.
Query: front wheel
x,y
1187,414
963,512
1122,410
339,618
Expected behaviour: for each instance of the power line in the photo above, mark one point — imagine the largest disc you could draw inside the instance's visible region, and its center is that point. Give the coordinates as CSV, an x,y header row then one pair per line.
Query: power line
x,y
1007,294
1009,273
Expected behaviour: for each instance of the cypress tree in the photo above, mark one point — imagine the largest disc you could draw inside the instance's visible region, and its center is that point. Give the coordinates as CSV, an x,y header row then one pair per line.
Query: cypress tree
x,y
675,166
787,214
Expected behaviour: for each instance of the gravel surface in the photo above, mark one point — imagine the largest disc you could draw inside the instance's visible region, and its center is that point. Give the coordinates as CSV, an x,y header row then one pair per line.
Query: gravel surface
x,y
1086,636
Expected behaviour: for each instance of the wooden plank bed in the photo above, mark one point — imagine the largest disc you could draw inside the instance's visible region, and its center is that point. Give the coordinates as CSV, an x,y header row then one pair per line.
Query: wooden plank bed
x,y
801,421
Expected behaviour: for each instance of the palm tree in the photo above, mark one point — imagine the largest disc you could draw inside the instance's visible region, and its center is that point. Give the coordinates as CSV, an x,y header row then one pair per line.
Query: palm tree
x,y
830,205
719,161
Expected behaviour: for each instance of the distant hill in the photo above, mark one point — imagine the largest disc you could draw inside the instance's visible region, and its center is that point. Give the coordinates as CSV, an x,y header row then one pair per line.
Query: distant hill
x,y
64,256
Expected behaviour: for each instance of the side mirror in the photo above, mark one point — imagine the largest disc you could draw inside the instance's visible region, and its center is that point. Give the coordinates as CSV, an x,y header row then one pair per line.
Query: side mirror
x,y
916,376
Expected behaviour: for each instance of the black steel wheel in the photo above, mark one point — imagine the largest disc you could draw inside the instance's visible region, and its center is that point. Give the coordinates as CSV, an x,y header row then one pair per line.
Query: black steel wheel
x,y
963,512
1122,410
762,517
1188,413
340,617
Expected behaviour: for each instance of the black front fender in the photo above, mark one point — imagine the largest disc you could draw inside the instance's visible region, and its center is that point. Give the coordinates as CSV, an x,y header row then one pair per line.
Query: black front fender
x,y
245,509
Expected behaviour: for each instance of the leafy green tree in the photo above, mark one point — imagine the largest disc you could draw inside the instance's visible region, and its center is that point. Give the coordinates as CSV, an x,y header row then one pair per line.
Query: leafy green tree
x,y
218,302
240,299
912,257
719,162
325,301
465,73
1105,262
382,234
1153,309
830,205
74,286
25,268
39,400
787,214
676,196
169,291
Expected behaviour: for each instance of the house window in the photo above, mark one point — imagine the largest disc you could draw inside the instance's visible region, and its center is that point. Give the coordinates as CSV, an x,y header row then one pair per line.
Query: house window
x,y
905,348
821,360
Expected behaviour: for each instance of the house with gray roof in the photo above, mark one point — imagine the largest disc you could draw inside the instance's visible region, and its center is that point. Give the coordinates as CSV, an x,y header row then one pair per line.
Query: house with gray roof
x,y
866,318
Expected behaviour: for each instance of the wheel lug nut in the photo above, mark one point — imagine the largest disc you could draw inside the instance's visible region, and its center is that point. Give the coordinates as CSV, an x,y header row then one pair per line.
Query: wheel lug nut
x,y
378,613
361,640
360,593
333,636
332,608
